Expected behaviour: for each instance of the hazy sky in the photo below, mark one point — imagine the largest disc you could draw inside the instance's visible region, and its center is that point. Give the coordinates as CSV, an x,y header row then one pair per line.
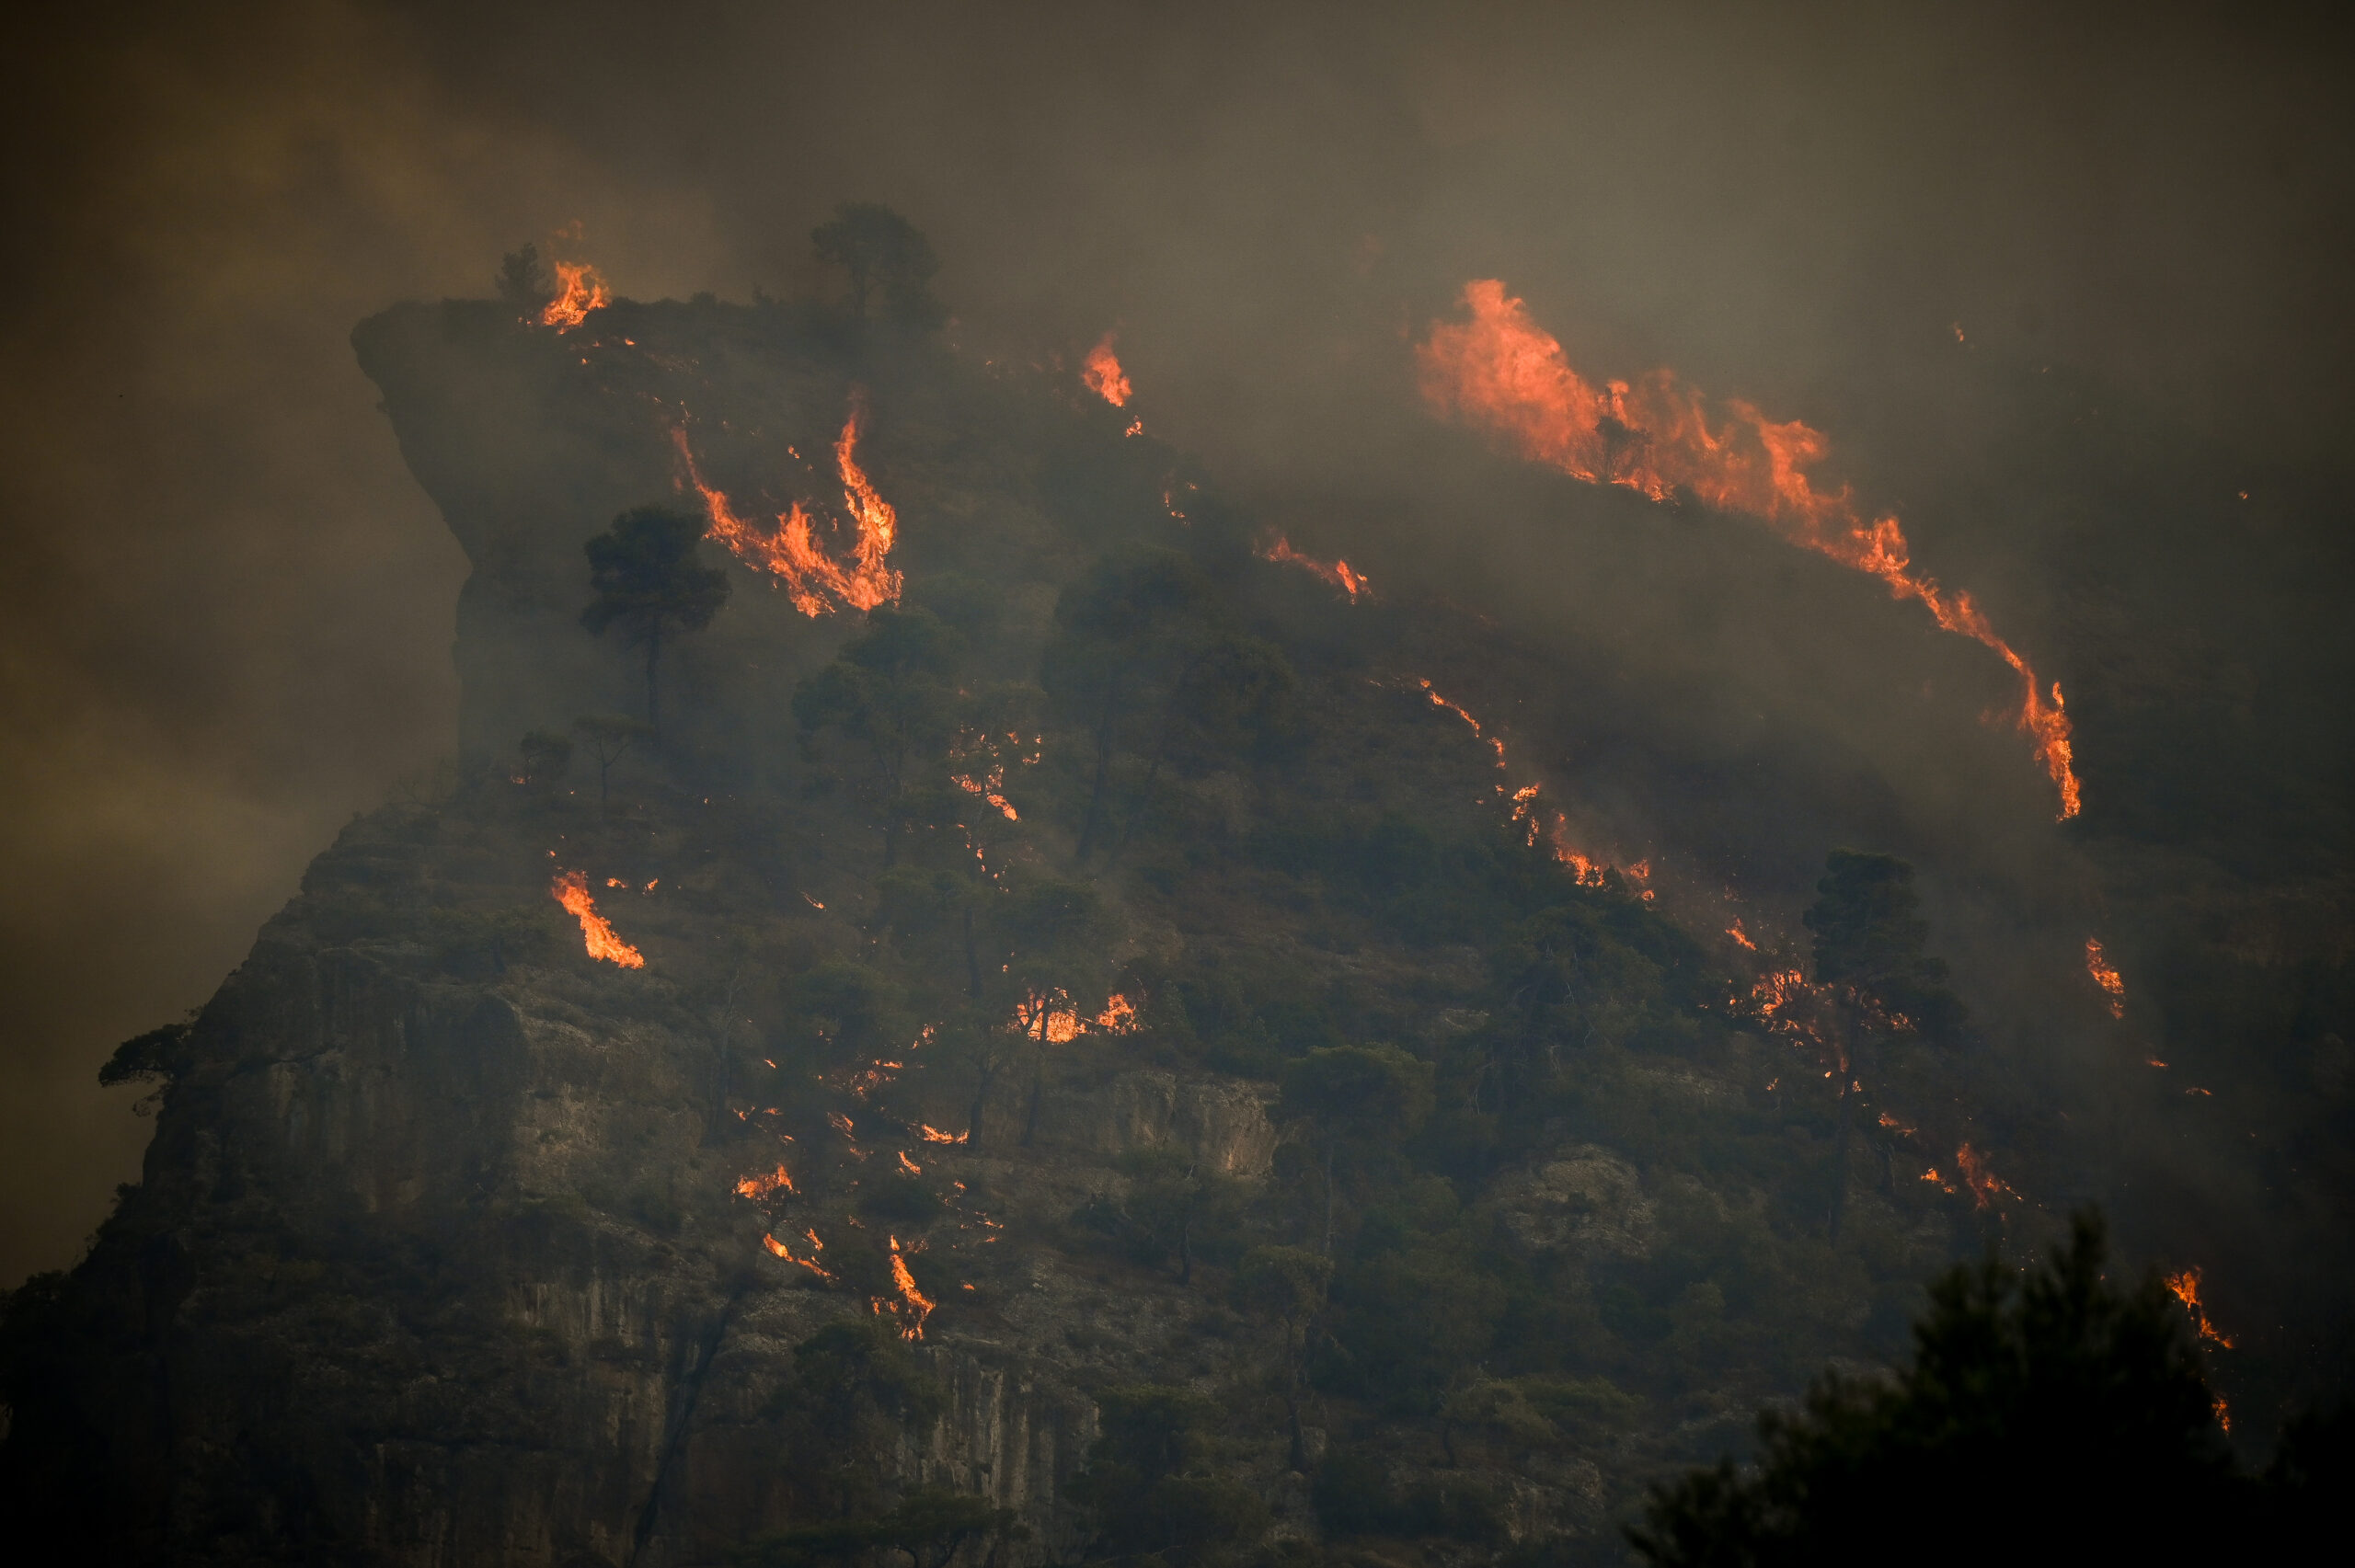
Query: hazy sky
x,y
229,609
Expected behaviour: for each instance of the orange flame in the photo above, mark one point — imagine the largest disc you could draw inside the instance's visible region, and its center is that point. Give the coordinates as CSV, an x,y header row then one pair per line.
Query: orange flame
x,y
2185,1286
2108,979
914,1305
1103,375
1336,572
1499,370
810,1262
1736,932
580,290
813,580
758,1185
1983,1184
1457,709
931,1134
1056,1020
571,890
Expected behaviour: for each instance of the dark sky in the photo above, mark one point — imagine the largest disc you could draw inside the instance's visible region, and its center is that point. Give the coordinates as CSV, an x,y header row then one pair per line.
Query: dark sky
x,y
229,609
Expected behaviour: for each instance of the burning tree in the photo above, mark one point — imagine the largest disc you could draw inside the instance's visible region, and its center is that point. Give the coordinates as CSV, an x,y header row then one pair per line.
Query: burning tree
x,y
1879,983
649,585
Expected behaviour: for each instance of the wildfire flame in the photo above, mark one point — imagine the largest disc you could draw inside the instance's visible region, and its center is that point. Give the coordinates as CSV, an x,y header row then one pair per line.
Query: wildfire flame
x,y
810,1262
913,1306
1741,936
2108,979
1984,1184
1457,709
758,1185
931,1134
1502,372
815,582
1336,572
579,291
2185,1286
1103,375
1056,1019
571,890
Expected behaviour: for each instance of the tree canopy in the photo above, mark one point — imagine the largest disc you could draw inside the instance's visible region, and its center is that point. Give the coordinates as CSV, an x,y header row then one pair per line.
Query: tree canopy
x,y
649,584
880,251
2048,1409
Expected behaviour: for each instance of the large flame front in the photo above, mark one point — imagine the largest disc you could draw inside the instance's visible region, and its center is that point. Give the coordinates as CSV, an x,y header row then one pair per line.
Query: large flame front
x,y
1502,372
571,890
815,582
1102,373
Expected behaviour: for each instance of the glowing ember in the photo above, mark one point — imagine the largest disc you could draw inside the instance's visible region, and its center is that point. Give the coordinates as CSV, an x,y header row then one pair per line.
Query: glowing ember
x,y
913,1306
2185,1286
1336,572
580,291
1104,377
1736,932
1502,372
814,580
758,1185
571,890
2223,1412
933,1135
2108,979
910,1166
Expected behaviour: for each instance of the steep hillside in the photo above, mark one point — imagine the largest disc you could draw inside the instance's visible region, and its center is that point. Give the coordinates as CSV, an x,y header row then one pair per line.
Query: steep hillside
x,y
1114,1051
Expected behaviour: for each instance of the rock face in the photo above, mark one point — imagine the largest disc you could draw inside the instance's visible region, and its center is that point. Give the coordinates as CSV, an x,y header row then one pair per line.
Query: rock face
x,y
459,1246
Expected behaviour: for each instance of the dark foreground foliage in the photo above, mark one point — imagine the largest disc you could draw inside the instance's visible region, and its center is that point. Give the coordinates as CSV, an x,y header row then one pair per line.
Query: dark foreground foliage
x,y
2047,1409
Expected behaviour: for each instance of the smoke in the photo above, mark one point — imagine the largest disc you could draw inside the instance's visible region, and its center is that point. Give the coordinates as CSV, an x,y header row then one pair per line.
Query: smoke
x,y
229,607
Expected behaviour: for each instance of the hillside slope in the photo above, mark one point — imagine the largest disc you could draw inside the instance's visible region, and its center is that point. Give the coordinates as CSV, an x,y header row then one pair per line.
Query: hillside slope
x,y
1113,1034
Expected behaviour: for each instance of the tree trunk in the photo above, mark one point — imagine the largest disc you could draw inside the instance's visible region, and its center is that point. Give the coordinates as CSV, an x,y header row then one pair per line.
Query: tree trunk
x,y
1840,1150
1329,1194
654,698
1103,772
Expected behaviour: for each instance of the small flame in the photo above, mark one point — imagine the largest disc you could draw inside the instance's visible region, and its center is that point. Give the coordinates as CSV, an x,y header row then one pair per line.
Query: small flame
x,y
931,1134
1458,710
571,890
910,1166
1104,377
1336,572
1503,372
913,1306
2108,979
1054,1018
2186,1287
758,1185
814,580
580,291
1736,932
1984,1184
810,1262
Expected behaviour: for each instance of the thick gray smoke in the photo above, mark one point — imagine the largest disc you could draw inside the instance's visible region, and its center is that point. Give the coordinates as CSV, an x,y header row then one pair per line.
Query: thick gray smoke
x,y
229,607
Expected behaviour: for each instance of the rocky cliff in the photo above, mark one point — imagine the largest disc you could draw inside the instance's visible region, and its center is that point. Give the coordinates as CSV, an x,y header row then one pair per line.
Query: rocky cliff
x,y
459,1244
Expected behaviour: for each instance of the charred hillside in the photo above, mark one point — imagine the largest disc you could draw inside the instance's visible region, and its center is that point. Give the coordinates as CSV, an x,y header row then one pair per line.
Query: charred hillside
x,y
1046,1026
